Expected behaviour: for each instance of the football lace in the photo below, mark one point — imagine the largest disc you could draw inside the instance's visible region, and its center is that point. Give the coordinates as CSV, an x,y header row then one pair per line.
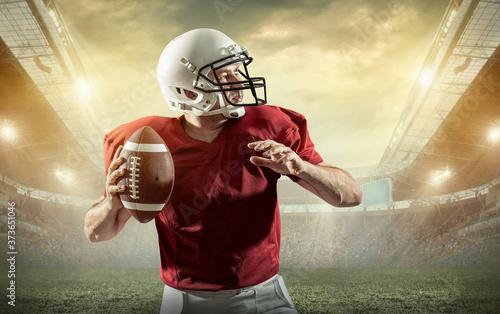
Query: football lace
x,y
134,177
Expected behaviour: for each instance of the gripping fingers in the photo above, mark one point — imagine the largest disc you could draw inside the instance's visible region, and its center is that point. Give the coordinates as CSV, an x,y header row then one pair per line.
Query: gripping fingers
x,y
117,160
114,173
116,189
111,182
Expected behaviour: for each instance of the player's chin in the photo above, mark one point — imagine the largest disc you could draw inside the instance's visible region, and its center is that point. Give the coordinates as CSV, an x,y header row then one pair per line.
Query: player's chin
x,y
235,98
238,100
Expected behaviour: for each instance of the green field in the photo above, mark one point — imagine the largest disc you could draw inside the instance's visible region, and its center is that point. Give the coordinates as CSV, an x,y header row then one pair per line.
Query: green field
x,y
313,291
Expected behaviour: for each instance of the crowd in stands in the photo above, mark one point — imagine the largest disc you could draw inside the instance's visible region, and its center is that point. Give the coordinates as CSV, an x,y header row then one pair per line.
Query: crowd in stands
x,y
51,235
413,237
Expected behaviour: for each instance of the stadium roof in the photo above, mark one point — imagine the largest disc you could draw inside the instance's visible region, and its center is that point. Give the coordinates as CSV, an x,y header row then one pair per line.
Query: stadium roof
x,y
46,102
444,143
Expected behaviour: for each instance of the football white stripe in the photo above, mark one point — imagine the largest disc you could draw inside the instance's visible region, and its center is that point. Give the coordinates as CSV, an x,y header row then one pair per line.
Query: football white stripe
x,y
144,207
146,148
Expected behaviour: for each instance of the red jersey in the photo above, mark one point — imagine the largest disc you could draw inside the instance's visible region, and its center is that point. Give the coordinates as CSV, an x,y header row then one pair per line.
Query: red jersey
x,y
221,226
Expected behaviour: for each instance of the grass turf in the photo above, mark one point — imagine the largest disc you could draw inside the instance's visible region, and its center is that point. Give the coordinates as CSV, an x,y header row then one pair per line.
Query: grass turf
x,y
313,290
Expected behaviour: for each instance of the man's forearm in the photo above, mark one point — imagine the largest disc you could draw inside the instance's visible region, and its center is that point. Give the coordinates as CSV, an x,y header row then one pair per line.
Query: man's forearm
x,y
334,185
104,220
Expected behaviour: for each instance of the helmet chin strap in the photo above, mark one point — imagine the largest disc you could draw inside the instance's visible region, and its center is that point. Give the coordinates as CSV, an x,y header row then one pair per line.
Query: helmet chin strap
x,y
228,111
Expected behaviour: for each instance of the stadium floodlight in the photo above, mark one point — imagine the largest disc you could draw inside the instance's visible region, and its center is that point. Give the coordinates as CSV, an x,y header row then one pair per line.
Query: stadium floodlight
x,y
64,176
84,88
426,77
440,176
494,135
8,132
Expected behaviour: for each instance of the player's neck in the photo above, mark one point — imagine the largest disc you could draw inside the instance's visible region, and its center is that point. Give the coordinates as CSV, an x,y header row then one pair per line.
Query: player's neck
x,y
204,128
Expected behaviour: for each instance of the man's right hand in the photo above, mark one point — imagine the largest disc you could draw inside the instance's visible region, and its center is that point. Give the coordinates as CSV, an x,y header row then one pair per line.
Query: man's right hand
x,y
114,173
107,216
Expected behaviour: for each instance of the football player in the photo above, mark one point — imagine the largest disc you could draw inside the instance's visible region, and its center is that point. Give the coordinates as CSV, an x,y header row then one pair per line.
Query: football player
x,y
219,233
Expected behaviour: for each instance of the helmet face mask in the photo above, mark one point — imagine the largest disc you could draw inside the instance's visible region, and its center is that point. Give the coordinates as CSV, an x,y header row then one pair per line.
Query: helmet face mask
x,y
190,63
239,55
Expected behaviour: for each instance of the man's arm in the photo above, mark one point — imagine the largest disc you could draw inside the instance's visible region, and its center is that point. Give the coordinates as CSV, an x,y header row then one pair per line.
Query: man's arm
x,y
334,185
322,179
107,216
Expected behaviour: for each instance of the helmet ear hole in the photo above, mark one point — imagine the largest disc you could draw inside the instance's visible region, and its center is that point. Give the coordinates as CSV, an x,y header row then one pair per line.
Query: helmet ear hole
x,y
190,94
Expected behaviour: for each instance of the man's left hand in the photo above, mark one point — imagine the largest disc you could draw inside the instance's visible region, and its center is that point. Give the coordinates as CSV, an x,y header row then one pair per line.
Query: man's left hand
x,y
278,157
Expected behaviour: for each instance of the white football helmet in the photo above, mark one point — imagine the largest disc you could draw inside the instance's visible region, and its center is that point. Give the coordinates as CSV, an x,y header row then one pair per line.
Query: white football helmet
x,y
185,64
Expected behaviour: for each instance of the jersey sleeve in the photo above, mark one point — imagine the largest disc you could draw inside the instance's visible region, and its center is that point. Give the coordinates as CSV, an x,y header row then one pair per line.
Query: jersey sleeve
x,y
109,151
300,141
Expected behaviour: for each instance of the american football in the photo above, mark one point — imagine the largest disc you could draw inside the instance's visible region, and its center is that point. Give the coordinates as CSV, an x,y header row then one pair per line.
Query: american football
x,y
149,174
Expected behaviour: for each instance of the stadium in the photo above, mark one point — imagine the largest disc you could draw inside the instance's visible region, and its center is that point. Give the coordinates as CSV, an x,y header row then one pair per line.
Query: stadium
x,y
425,239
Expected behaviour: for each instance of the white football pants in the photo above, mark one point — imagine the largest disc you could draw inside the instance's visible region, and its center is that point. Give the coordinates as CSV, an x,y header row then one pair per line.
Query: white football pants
x,y
269,297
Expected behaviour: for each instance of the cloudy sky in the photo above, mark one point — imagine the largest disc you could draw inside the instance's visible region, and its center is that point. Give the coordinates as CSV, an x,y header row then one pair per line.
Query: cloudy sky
x,y
348,66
